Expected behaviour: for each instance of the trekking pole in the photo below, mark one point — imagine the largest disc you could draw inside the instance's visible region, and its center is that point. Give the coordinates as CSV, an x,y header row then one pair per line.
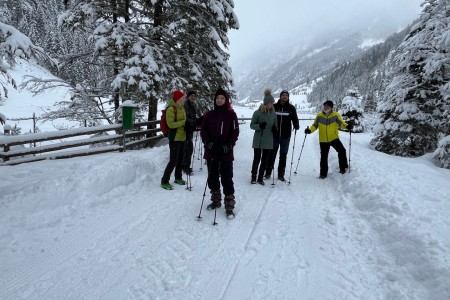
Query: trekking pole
x,y
273,166
215,215
203,199
349,151
300,153
292,158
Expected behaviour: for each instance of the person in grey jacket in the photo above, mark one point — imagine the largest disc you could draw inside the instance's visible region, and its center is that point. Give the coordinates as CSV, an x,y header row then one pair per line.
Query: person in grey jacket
x,y
264,122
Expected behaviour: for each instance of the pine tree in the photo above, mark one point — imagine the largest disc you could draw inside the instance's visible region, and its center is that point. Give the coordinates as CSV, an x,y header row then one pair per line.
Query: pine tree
x,y
351,110
153,47
413,106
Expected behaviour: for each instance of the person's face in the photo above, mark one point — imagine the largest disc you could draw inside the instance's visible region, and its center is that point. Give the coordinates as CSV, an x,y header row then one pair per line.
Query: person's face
x,y
269,105
220,100
326,108
284,97
182,99
192,97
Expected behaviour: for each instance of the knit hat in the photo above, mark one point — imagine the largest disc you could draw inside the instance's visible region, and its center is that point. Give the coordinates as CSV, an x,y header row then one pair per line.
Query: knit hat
x,y
191,93
329,103
177,95
268,98
221,91
284,92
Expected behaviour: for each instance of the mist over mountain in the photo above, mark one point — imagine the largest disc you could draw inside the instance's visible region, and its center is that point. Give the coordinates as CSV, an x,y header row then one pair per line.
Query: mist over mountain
x,y
292,62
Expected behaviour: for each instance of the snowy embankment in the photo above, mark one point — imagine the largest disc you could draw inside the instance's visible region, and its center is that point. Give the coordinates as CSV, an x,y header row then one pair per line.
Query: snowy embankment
x,y
100,227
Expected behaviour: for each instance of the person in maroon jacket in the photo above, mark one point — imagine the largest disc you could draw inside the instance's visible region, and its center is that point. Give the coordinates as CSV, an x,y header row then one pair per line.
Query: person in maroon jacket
x,y
219,132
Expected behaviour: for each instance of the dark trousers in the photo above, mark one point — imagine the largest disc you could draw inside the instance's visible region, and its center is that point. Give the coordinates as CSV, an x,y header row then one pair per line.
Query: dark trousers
x,y
175,161
325,149
260,157
282,144
220,171
188,151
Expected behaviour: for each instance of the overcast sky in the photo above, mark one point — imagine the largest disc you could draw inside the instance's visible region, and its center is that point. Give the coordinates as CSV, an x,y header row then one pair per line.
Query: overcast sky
x,y
271,21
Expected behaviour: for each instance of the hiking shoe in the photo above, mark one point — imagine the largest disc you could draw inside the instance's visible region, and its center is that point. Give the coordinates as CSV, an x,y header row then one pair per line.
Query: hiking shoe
x,y
323,176
343,171
213,205
281,178
180,181
167,186
230,214
261,182
267,176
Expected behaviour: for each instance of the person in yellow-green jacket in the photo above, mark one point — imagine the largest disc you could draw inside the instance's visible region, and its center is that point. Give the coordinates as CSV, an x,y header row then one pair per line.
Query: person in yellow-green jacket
x,y
328,122
176,119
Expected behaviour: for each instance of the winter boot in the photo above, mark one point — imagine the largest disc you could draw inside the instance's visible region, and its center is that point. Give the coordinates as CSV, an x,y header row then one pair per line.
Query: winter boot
x,y
216,200
253,180
229,206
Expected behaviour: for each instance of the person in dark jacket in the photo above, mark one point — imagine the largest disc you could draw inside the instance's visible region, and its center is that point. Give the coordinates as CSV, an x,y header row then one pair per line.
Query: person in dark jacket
x,y
176,118
191,124
264,122
286,118
219,132
328,123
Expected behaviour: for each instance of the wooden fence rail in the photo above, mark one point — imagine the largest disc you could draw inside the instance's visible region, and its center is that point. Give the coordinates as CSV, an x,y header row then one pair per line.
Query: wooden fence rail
x,y
91,142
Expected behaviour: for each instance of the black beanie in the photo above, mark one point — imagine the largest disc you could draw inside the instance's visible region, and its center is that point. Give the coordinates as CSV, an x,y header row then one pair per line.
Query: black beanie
x,y
191,93
284,92
220,91
329,103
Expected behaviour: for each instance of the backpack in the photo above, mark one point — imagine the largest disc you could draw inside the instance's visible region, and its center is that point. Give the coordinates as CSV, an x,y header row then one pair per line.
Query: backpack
x,y
163,124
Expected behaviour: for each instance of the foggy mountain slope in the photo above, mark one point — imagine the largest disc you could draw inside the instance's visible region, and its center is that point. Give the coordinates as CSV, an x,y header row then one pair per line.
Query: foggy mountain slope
x,y
285,66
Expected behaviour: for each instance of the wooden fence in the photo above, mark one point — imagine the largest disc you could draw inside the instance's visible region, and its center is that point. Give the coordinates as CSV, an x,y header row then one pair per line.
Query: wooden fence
x,y
92,141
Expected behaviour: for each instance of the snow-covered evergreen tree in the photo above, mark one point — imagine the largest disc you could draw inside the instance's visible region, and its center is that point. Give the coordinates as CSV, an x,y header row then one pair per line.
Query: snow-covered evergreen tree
x,y
412,110
13,45
153,47
351,110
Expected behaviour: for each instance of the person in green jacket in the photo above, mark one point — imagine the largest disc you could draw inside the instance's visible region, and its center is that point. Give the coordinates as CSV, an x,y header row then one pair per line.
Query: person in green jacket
x,y
264,122
176,119
328,122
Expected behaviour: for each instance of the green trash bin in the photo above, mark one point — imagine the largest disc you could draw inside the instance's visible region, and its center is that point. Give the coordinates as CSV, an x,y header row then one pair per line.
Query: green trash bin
x,y
128,114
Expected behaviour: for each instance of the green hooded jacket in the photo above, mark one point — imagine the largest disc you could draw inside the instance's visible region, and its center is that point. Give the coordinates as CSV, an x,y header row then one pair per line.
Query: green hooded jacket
x,y
263,138
177,132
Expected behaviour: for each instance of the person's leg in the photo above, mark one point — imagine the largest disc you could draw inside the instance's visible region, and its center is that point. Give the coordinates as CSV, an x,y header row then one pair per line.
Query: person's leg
x,y
173,158
188,154
180,158
324,150
256,160
262,166
226,176
271,159
214,183
342,155
284,148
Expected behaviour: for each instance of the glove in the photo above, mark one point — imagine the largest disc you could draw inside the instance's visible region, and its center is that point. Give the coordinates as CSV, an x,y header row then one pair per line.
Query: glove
x,y
263,125
349,126
296,127
210,146
307,131
226,149
274,129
